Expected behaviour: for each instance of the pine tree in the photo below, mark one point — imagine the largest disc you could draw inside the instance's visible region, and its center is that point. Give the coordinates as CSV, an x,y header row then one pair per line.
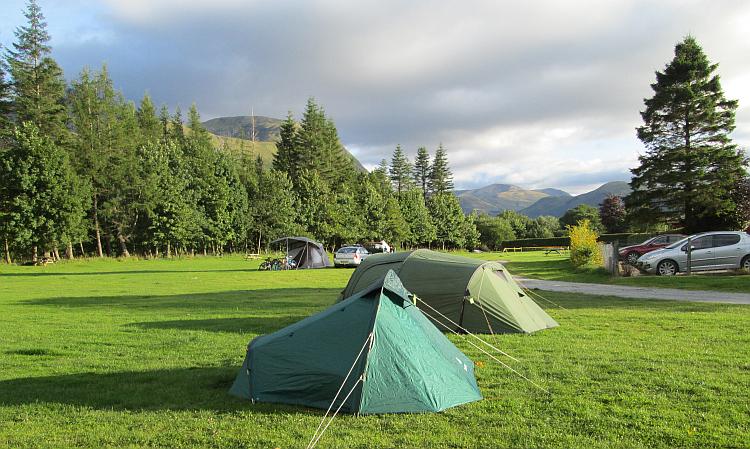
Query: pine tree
x,y
422,169
5,107
690,165
38,83
150,128
400,171
287,154
612,214
441,178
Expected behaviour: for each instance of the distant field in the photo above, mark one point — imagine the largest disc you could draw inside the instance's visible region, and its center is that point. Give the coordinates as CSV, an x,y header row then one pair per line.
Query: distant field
x,y
535,264
142,353
266,150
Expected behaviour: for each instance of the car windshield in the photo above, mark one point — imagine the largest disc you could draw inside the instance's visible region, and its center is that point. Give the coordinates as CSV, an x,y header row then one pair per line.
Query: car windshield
x,y
347,250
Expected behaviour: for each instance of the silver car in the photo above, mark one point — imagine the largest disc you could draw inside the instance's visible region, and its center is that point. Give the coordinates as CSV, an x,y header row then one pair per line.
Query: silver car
x,y
723,250
350,256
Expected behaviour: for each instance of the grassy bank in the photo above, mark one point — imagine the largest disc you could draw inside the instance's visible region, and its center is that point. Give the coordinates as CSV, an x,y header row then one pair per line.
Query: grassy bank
x,y
142,353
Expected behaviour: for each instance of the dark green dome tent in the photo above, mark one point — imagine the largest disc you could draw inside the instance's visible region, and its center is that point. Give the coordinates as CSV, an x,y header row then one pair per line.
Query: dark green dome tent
x,y
480,296
305,252
399,361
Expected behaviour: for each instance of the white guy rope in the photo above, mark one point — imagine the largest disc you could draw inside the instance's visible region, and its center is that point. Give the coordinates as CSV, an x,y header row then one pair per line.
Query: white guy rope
x,y
368,339
467,332
320,435
531,292
490,355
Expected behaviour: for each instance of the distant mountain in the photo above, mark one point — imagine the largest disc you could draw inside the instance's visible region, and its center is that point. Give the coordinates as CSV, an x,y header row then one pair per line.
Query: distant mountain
x,y
266,128
235,133
496,198
554,192
557,206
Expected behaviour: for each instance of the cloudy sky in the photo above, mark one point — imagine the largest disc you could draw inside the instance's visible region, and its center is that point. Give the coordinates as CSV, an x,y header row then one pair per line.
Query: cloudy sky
x,y
539,94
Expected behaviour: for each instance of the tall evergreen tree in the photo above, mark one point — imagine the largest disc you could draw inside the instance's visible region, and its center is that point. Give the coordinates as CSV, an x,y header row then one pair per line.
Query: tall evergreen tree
x,y
5,106
37,80
400,171
441,178
287,154
690,165
150,129
422,169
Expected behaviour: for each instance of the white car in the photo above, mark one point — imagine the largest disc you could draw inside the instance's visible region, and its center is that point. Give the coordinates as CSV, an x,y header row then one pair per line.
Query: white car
x,y
724,250
350,256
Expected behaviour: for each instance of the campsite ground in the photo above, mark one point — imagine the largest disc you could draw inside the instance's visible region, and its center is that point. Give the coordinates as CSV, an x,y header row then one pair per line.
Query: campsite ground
x,y
534,264
142,353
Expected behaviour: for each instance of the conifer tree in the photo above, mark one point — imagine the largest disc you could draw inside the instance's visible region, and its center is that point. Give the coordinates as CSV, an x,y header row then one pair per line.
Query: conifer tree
x,y
37,80
5,106
422,169
400,171
690,165
287,154
150,128
441,178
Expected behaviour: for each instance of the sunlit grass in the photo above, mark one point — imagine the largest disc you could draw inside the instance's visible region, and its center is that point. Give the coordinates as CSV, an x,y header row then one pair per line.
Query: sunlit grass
x,y
142,353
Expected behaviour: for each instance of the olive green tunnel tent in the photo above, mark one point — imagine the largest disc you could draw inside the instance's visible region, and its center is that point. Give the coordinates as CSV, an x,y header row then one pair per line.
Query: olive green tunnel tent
x,y
304,252
375,348
475,295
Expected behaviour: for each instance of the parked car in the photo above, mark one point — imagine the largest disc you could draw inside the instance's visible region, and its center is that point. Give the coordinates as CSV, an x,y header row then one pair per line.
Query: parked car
x,y
378,247
350,256
630,254
710,251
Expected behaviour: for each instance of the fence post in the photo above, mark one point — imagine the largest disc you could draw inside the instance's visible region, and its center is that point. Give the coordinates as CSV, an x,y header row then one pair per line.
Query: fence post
x,y
689,256
616,258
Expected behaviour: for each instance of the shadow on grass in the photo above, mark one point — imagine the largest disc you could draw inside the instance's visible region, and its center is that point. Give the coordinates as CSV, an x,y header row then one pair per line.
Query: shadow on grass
x,y
166,389
281,300
257,325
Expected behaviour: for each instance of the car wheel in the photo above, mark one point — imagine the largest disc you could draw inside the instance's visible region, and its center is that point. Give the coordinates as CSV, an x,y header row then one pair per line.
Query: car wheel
x,y
666,268
632,258
745,263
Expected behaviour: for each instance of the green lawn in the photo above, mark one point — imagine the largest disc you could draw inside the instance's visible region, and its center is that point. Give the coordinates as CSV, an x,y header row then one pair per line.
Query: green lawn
x,y
142,353
534,264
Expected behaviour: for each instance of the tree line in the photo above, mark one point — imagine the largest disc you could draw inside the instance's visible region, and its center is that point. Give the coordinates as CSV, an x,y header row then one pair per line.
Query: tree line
x,y
84,171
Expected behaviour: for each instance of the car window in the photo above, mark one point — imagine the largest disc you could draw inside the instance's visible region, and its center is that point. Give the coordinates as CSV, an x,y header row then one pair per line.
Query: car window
x,y
726,239
703,242
659,240
347,250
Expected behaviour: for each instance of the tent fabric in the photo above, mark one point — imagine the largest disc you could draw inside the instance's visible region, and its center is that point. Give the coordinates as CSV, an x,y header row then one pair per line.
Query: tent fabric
x,y
409,366
479,296
305,252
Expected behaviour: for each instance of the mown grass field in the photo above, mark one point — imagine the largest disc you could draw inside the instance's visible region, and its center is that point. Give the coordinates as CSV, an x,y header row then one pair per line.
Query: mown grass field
x,y
142,353
535,264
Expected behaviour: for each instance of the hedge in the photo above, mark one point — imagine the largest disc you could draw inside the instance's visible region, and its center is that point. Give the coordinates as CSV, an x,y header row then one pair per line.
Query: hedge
x,y
623,239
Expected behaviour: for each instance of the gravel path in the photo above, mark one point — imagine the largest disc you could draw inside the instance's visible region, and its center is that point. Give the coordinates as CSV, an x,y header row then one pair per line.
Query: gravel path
x,y
623,291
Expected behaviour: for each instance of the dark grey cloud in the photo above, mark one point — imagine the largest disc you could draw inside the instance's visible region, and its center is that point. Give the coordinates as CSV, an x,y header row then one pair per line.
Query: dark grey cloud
x,y
540,94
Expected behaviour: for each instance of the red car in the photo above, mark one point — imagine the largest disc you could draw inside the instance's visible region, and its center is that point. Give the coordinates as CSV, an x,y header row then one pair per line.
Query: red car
x,y
631,253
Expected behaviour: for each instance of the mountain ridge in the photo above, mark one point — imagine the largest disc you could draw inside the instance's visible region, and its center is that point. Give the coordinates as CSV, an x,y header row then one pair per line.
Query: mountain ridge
x,y
495,198
557,206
